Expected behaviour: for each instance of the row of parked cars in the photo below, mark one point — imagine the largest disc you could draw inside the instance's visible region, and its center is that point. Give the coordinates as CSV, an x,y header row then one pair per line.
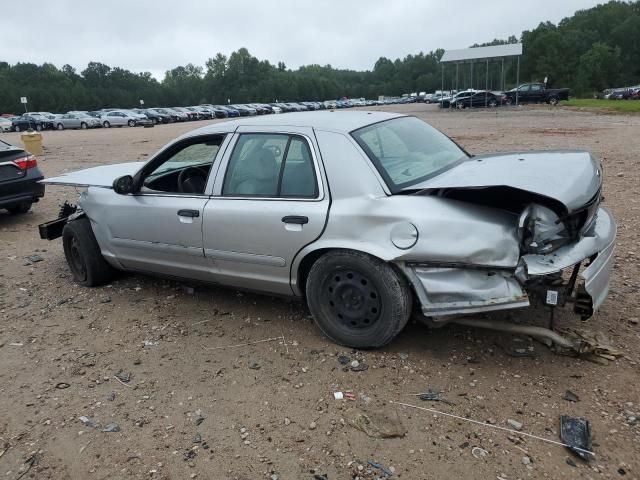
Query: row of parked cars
x,y
134,117
623,93
526,93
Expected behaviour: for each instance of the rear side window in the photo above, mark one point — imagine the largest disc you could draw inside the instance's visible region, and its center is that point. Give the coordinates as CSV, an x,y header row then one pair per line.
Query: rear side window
x,y
270,165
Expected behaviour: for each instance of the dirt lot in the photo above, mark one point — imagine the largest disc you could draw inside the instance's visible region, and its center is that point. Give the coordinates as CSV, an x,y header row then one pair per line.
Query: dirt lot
x,y
193,410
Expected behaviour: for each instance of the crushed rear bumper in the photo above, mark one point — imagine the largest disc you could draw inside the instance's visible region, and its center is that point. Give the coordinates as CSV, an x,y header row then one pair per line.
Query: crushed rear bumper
x,y
459,289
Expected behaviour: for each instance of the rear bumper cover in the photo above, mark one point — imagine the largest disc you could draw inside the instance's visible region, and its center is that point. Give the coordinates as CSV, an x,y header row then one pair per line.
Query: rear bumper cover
x,y
459,289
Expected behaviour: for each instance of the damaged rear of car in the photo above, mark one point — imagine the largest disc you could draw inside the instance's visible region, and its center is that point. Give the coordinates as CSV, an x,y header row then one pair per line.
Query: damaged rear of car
x,y
514,229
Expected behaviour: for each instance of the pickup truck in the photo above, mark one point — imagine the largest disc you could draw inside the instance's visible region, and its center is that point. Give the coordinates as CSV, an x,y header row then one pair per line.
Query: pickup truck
x,y
536,93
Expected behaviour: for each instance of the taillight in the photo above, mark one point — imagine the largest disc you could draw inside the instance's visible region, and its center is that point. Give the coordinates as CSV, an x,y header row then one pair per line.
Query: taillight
x,y
26,162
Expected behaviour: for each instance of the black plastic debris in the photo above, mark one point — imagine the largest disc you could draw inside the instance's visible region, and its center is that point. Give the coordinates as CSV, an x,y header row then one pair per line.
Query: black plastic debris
x,y
343,359
576,433
433,396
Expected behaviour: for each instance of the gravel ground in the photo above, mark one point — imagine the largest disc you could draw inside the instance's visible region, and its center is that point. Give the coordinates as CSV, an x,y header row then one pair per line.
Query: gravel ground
x,y
187,408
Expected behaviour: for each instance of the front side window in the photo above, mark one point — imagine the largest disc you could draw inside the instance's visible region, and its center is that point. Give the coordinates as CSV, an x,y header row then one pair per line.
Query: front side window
x,y
270,165
185,168
406,151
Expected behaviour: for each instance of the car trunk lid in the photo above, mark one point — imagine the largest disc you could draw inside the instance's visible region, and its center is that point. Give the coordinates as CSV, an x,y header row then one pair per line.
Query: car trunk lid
x,y
102,176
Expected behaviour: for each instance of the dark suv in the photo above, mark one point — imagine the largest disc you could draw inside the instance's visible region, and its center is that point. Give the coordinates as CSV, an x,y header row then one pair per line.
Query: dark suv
x,y
19,176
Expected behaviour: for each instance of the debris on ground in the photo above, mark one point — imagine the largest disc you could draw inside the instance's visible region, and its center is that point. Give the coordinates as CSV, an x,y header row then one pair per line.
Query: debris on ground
x,y
575,432
433,396
479,453
516,425
35,258
569,396
123,376
357,366
379,424
111,427
387,471
343,359
594,347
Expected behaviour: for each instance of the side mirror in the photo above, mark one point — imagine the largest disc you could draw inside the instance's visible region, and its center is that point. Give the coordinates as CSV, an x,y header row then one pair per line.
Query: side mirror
x,y
123,185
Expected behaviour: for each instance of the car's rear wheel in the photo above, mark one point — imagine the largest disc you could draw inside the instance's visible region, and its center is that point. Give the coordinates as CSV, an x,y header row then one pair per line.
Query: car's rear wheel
x,y
60,126
83,255
106,124
22,207
553,100
131,123
493,103
357,300
38,128
84,126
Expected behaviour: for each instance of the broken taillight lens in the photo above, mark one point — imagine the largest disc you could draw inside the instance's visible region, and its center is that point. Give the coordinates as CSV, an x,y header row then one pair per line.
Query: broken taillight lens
x,y
26,163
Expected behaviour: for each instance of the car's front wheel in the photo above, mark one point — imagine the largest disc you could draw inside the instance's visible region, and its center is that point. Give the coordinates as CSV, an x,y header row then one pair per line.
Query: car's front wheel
x,y
83,255
83,126
131,123
106,124
357,300
60,126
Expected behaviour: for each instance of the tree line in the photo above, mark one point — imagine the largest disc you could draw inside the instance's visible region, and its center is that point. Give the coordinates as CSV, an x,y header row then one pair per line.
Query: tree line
x,y
594,49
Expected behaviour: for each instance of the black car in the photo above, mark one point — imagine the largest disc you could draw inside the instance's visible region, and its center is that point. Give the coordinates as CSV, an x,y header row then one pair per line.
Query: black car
x,y
26,122
19,174
156,117
477,99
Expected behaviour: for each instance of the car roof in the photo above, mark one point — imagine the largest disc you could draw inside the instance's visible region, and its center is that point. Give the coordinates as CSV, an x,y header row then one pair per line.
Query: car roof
x,y
343,122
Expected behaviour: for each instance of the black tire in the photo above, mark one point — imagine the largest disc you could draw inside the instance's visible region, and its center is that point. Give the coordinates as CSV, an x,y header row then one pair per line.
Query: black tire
x,y
16,128
553,100
357,300
60,126
493,103
38,128
510,101
131,123
106,124
22,207
83,255
84,126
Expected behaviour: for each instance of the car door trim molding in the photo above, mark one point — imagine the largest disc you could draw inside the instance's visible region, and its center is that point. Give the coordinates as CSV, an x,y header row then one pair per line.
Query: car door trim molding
x,y
157,246
253,258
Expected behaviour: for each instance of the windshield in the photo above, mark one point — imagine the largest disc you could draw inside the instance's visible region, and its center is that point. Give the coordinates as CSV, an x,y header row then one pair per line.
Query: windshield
x,y
407,151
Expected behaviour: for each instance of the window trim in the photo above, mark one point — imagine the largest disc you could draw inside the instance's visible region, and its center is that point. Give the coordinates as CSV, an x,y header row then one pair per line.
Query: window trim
x,y
162,156
390,184
318,193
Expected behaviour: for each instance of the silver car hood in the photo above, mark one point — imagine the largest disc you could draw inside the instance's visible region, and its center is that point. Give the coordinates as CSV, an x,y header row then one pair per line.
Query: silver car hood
x,y
95,177
570,177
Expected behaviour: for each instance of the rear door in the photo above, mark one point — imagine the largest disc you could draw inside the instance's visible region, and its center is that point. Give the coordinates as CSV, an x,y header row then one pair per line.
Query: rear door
x,y
269,202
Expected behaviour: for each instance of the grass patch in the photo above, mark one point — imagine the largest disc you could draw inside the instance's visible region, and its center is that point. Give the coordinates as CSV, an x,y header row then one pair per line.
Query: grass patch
x,y
626,106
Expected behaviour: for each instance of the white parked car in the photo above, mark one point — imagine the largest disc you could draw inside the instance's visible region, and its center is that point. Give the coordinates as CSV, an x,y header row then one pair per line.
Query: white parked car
x,y
5,124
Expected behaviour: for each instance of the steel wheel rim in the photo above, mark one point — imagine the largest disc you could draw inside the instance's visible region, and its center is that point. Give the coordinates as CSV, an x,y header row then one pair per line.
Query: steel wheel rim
x,y
352,298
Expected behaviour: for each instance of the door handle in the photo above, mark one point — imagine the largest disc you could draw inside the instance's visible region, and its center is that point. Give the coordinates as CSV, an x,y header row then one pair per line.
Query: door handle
x,y
189,213
299,219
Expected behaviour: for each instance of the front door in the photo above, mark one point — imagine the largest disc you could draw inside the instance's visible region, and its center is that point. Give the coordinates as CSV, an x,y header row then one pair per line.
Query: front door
x,y
159,228
269,202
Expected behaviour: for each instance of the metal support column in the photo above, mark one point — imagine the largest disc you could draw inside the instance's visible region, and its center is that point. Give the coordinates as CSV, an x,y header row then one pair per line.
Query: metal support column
x,y
442,88
486,85
517,80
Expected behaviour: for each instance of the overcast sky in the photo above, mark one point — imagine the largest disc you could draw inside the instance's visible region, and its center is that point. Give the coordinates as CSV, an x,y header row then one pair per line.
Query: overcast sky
x,y
156,35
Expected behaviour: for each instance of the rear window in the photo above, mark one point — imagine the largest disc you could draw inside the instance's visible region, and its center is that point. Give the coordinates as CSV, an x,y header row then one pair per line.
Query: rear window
x,y
407,151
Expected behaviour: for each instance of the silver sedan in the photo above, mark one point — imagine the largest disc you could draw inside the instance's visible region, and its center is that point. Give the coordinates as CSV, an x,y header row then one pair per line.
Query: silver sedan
x,y
368,216
75,120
